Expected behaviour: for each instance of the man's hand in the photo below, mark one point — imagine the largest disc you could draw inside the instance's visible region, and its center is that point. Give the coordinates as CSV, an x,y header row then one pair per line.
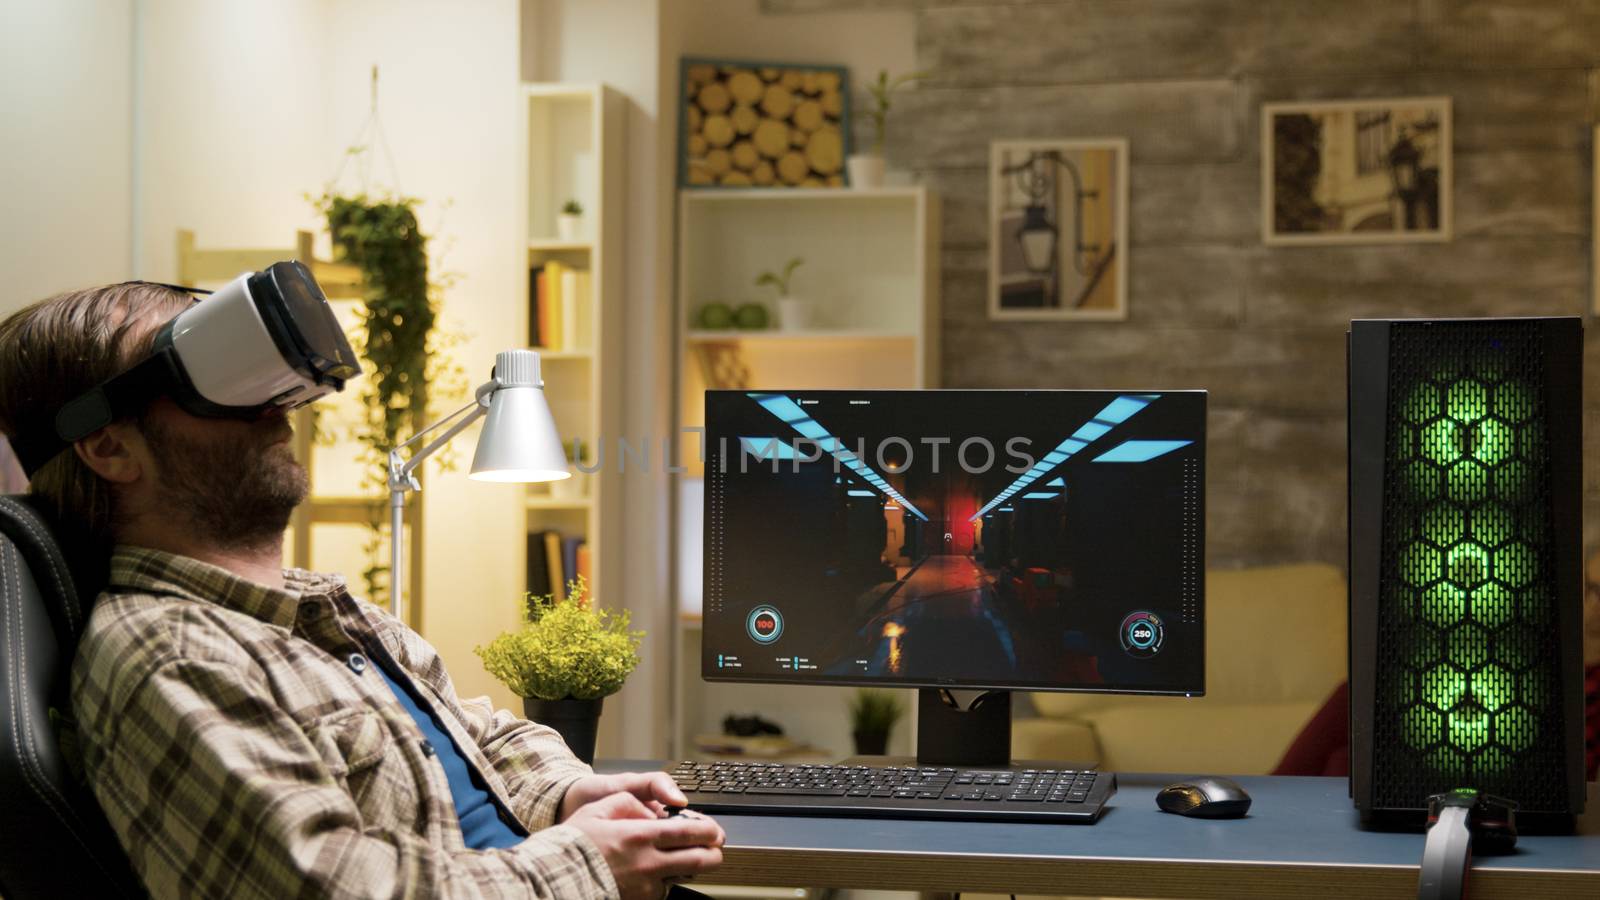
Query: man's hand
x,y
653,789
647,854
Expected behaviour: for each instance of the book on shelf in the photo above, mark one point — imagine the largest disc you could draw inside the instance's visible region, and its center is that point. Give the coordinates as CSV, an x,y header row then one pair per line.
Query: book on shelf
x,y
554,560
584,562
569,556
535,291
538,567
560,317
583,310
552,557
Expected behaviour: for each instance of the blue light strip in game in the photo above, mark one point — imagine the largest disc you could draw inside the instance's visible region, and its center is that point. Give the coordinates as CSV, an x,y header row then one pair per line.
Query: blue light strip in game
x,y
1139,451
1115,413
767,448
791,414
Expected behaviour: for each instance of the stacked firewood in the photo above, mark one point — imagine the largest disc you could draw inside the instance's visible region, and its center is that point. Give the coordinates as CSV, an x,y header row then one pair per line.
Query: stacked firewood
x,y
763,126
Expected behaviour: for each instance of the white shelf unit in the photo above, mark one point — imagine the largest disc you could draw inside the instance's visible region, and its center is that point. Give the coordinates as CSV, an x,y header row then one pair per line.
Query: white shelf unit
x,y
871,276
575,150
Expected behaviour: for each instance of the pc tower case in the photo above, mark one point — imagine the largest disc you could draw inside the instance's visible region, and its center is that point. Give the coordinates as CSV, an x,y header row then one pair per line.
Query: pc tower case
x,y
1465,574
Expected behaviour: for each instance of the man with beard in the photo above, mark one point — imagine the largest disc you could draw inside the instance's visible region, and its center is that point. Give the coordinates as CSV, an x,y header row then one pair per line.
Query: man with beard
x,y
252,731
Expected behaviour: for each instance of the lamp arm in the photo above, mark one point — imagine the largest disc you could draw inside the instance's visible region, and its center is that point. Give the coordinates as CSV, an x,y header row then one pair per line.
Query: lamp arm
x,y
420,434
478,412
402,480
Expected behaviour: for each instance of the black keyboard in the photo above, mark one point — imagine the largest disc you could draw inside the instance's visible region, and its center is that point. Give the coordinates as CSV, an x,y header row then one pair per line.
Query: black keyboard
x,y
897,792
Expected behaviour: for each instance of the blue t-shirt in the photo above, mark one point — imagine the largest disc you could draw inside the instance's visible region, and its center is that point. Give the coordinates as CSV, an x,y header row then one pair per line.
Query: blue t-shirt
x,y
481,825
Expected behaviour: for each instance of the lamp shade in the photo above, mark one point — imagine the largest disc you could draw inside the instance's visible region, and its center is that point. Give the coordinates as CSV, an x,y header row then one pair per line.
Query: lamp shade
x,y
519,441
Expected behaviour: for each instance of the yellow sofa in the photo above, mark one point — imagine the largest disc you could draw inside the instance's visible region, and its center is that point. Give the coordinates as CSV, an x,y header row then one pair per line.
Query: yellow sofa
x,y
1275,650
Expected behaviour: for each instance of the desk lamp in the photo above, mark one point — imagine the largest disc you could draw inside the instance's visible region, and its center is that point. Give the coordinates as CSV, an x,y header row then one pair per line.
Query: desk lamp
x,y
519,443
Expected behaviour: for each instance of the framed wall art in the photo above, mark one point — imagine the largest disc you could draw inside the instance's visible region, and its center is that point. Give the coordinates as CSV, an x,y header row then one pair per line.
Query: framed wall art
x,y
1356,171
1058,229
756,124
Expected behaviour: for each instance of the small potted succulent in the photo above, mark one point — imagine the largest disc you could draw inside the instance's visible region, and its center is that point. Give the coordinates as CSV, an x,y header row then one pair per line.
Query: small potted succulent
x,y
867,169
794,314
567,657
570,220
873,715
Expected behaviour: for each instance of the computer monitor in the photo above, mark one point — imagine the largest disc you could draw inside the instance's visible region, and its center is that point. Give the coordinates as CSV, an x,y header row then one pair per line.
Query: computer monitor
x,y
1041,540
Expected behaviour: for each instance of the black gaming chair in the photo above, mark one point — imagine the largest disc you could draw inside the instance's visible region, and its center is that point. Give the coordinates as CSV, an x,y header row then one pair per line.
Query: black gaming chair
x,y
56,841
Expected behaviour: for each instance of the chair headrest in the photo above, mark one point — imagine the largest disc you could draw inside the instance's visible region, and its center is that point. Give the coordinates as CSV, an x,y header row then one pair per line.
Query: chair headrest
x,y
74,574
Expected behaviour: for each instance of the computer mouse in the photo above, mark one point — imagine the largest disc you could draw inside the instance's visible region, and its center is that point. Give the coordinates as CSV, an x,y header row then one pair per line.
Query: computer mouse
x,y
1208,797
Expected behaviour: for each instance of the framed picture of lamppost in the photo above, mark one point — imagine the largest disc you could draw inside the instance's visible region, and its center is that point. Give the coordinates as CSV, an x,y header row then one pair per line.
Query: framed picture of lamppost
x,y
1356,171
1058,229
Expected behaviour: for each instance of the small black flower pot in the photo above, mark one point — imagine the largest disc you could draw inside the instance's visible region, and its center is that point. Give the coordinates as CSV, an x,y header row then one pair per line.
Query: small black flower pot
x,y
575,720
871,743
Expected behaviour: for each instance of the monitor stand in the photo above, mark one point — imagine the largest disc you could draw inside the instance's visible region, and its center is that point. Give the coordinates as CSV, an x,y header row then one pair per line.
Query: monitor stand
x,y
970,729
963,728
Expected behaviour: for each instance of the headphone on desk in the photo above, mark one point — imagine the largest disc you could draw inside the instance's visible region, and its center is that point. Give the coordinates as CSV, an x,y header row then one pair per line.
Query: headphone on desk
x,y
1459,822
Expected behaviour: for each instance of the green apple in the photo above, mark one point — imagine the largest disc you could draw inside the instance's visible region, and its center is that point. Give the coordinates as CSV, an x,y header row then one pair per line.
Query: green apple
x,y
716,316
751,316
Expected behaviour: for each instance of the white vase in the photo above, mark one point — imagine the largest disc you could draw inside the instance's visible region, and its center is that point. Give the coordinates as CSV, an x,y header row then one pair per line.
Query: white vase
x,y
794,314
866,171
567,226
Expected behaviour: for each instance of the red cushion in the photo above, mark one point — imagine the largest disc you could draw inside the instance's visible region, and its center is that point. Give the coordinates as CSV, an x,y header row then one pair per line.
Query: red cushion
x,y
1323,746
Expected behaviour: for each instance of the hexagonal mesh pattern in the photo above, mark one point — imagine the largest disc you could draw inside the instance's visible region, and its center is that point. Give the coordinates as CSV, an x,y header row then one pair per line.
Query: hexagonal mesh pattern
x,y
1467,663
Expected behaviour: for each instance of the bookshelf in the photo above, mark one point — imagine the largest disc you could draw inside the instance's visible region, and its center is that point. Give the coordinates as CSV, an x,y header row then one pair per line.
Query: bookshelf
x,y
871,280
575,151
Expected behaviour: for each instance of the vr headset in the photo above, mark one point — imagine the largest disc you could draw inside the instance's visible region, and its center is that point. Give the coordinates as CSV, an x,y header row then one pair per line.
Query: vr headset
x,y
267,340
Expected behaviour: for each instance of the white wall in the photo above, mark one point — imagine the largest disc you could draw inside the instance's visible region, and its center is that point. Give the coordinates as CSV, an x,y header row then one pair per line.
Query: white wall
x,y
231,127
448,102
65,142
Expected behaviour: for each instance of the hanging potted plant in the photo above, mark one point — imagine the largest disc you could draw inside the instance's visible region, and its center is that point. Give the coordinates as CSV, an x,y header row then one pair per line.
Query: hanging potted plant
x,y
867,169
567,657
399,338
794,314
408,358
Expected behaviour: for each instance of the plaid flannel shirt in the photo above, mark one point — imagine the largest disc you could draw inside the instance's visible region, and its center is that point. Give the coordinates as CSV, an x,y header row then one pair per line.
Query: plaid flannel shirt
x,y
242,745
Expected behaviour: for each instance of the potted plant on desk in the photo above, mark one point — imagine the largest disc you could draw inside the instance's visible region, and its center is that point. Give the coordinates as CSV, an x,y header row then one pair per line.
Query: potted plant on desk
x,y
872,716
564,661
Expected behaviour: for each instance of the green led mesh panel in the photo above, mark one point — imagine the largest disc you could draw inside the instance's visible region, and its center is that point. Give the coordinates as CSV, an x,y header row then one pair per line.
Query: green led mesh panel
x,y
1467,667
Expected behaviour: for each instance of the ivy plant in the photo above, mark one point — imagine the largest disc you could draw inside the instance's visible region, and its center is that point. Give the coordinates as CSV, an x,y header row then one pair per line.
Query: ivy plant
x,y
399,339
